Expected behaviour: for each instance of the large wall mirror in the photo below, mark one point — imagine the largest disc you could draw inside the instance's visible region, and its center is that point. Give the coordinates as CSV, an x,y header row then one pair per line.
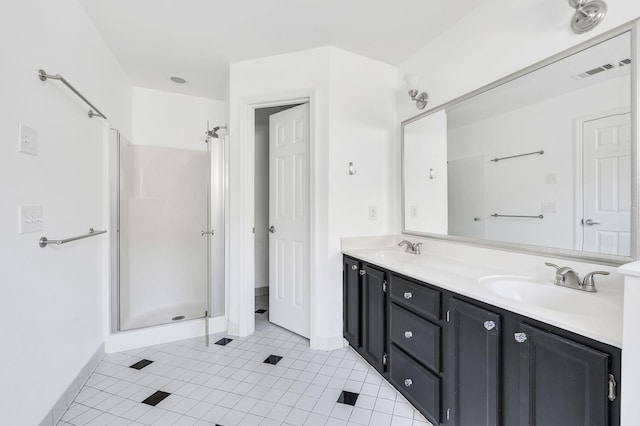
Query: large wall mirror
x,y
542,161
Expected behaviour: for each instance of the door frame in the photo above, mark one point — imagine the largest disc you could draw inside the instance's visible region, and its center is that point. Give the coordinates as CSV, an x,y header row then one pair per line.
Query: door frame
x,y
241,301
579,189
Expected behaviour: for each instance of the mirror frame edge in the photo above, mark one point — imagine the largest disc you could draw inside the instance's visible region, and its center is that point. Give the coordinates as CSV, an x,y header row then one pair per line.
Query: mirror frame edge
x,y
633,27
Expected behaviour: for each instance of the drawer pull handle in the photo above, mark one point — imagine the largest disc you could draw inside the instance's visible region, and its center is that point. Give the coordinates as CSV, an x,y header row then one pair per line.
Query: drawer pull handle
x,y
354,267
408,334
520,337
489,325
408,382
408,295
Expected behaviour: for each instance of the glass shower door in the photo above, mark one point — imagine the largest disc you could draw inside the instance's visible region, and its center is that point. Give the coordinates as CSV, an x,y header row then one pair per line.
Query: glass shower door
x,y
163,211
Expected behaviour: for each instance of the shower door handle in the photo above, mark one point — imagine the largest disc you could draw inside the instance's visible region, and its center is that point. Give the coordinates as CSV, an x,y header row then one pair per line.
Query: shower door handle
x,y
272,229
203,233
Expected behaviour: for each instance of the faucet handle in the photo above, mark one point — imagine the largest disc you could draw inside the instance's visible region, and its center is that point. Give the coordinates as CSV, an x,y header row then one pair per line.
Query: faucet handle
x,y
552,265
589,282
416,247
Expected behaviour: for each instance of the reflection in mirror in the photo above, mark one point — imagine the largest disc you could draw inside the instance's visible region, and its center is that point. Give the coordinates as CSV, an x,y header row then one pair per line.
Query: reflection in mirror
x,y
543,160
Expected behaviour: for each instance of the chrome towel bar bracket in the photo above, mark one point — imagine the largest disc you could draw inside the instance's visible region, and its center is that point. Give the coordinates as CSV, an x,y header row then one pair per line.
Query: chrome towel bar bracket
x,y
93,112
43,242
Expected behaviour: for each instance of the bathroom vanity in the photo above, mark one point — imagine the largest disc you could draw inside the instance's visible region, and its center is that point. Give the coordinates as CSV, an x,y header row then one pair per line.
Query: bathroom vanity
x,y
465,351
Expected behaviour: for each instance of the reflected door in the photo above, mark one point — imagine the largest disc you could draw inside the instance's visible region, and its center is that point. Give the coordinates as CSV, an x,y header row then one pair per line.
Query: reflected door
x,y
289,219
606,185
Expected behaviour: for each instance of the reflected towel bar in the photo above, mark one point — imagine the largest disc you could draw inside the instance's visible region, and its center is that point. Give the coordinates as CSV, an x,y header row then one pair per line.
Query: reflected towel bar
x,y
495,160
44,76
44,241
512,215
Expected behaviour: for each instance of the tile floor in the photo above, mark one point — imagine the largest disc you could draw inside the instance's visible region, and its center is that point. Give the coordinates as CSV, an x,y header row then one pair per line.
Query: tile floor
x,y
188,383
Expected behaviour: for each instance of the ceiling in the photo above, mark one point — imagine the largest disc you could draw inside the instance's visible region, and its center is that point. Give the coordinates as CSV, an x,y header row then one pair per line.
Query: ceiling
x,y
197,39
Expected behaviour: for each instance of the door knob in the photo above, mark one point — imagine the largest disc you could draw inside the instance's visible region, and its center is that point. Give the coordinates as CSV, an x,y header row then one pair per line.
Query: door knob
x,y
272,229
591,222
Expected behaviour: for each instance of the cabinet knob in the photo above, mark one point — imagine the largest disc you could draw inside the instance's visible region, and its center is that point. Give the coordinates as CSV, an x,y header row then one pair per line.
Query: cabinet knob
x,y
408,334
408,382
489,325
362,272
354,267
520,337
408,295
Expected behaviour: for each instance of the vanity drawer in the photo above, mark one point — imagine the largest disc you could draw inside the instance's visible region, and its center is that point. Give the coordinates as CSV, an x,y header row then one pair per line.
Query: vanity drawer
x,y
416,383
416,297
416,336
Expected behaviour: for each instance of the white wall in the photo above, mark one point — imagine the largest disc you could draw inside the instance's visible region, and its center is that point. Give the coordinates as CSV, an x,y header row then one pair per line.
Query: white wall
x,y
352,122
174,120
51,318
495,40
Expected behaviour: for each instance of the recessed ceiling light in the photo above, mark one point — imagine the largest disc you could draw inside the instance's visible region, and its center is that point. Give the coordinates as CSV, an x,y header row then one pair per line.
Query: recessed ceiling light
x,y
179,80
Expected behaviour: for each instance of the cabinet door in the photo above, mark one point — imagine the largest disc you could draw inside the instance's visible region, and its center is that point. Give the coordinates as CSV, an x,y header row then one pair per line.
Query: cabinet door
x,y
351,300
374,318
474,359
561,382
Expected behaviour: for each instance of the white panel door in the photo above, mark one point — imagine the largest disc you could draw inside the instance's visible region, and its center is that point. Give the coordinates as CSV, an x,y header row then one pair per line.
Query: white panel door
x,y
607,185
289,219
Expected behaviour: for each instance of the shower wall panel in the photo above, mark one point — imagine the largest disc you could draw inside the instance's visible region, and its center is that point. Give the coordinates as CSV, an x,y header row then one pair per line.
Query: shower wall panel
x,y
163,208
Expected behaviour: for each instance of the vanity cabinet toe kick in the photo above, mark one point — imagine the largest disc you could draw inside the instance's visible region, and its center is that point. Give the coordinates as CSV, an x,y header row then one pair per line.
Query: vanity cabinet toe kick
x,y
460,361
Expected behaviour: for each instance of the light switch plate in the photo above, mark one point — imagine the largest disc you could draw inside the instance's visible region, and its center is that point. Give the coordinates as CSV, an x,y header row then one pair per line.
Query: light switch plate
x,y
28,140
30,219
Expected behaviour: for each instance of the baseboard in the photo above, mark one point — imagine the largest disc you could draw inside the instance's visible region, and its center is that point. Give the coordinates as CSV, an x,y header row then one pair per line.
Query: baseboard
x,y
55,414
327,343
125,340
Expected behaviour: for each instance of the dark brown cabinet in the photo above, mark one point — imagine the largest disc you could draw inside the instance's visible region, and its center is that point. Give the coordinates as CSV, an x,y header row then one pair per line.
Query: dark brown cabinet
x,y
364,311
374,284
474,358
561,381
352,302
463,362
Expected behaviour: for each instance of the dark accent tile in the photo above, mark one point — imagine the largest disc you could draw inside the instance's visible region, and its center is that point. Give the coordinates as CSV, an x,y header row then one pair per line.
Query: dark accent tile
x,y
348,398
272,359
261,311
156,398
141,364
224,341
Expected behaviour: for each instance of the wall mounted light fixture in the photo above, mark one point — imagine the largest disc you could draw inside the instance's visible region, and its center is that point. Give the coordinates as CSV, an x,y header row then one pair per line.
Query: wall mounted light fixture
x,y
413,84
589,13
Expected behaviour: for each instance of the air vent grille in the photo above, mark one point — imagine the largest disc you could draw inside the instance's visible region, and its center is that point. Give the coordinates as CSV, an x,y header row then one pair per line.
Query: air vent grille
x,y
602,68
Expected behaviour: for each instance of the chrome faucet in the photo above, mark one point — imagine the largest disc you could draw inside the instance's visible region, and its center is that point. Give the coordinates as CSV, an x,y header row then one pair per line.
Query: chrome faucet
x,y
411,247
568,277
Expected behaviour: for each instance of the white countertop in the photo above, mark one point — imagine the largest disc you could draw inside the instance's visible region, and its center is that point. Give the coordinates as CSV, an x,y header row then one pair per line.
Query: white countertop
x,y
594,315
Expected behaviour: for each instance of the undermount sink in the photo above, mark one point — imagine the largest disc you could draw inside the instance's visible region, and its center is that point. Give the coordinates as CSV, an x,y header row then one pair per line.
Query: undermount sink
x,y
543,294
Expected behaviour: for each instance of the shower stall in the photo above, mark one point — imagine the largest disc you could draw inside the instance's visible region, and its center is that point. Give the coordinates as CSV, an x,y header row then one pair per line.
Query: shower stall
x,y
162,250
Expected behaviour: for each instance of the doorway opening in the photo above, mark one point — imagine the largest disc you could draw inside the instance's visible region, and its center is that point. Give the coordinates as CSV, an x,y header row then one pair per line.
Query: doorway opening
x,y
281,217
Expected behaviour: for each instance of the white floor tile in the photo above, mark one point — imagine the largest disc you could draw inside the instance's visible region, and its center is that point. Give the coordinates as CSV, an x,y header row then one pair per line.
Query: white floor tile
x,y
232,385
